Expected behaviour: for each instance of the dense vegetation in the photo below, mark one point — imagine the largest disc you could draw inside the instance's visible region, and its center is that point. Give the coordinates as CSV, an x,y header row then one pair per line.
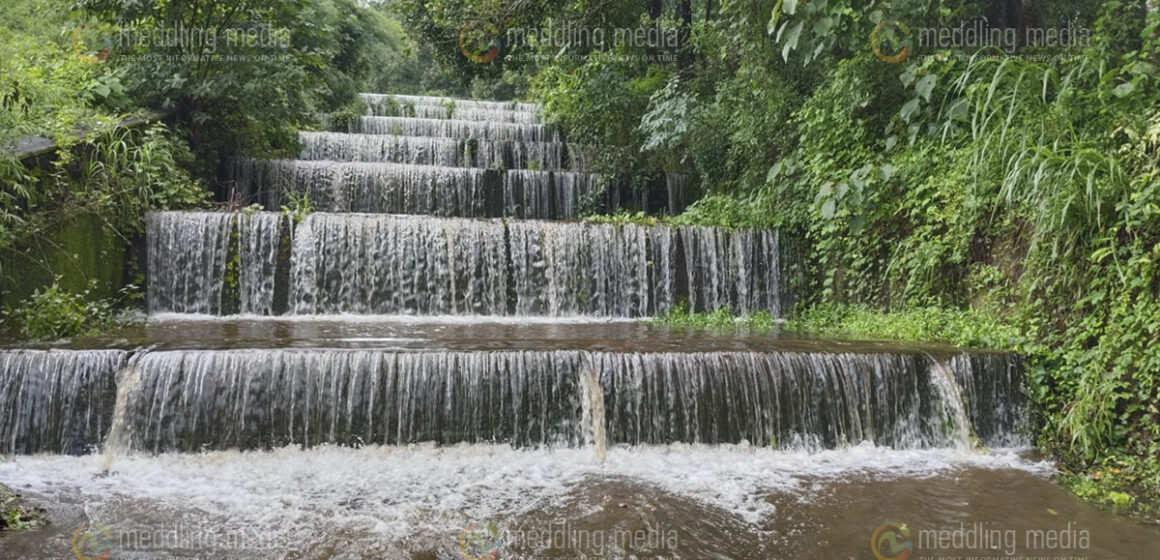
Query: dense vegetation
x,y
200,83
997,195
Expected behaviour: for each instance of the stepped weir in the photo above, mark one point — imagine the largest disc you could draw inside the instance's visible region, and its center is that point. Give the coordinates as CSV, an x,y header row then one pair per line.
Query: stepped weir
x,y
442,303
425,211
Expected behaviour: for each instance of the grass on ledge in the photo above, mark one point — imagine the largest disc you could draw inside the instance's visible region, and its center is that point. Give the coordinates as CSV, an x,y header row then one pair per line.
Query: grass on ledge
x,y
959,327
722,319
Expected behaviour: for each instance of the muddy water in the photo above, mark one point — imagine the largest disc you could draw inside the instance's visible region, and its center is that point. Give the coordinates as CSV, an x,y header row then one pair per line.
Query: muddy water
x,y
694,502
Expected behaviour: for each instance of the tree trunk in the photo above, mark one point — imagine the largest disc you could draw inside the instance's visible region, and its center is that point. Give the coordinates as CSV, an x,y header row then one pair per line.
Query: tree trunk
x,y
654,9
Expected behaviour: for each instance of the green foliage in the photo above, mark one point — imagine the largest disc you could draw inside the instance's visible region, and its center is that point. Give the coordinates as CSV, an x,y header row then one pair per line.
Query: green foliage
x,y
1007,202
119,175
966,328
53,313
1023,187
590,100
16,515
251,73
46,89
623,217
721,319
297,206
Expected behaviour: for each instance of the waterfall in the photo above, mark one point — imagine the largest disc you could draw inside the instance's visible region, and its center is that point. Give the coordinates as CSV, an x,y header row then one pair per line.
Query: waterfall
x,y
477,180
444,108
795,400
991,389
385,264
547,195
398,264
417,189
117,443
480,130
676,187
192,400
434,150
212,262
261,398
367,187
580,269
737,269
956,422
56,401
186,263
593,412
420,150
259,238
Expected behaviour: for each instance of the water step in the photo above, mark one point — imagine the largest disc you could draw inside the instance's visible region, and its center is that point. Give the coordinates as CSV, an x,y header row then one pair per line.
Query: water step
x,y
435,150
262,263
453,128
419,189
445,107
64,401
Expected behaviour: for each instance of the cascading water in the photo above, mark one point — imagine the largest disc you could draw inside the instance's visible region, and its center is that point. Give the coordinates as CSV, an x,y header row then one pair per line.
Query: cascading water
x,y
479,130
415,150
459,401
213,262
258,399
989,383
56,401
376,264
367,187
259,242
547,195
443,108
415,189
436,150
187,256
398,264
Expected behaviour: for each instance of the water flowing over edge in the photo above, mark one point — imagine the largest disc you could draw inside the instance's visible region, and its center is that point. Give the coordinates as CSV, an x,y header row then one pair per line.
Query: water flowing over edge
x,y
263,399
384,264
398,188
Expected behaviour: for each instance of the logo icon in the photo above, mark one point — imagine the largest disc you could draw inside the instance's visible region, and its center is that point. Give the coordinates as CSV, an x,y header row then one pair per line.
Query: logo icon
x,y
479,41
480,542
886,545
102,53
891,37
92,542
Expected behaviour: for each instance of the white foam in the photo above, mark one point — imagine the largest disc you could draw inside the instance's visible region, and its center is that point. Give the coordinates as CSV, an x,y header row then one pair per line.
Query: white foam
x,y
405,491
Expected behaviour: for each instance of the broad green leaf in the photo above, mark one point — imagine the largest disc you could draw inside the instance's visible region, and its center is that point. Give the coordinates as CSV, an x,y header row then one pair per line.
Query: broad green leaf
x,y
925,86
910,109
828,209
824,25
857,224
774,171
1125,89
907,77
791,40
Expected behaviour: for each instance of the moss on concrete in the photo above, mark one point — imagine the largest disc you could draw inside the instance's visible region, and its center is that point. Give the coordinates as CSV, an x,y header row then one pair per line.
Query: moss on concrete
x,y
79,250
